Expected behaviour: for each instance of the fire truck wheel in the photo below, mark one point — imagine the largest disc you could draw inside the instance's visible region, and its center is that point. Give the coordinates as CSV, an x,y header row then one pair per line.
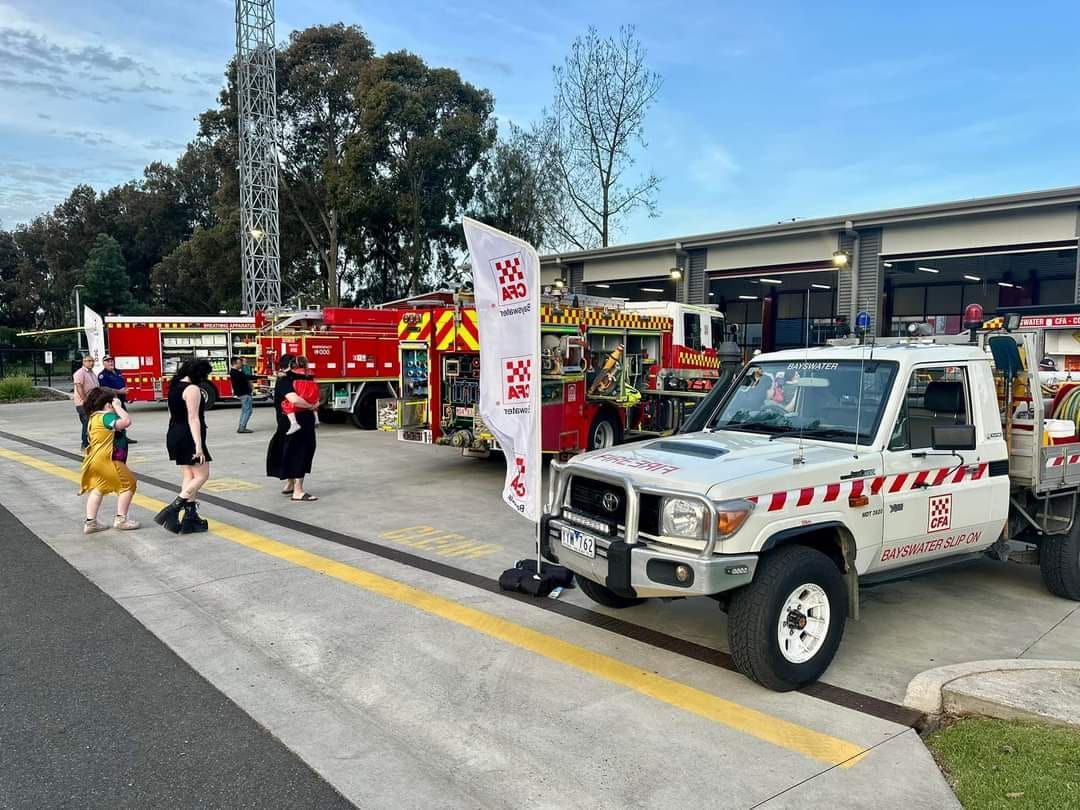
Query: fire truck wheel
x,y
363,413
605,596
604,432
1059,562
211,394
785,626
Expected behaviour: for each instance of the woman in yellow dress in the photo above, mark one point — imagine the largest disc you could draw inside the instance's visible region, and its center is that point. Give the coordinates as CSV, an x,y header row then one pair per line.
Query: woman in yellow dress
x,y
102,473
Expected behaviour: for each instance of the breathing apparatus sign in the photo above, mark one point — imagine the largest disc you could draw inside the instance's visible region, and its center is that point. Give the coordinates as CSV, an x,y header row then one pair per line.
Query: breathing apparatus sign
x,y
506,285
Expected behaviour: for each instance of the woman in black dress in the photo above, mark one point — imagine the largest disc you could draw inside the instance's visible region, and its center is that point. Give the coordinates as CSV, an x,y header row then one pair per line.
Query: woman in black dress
x,y
186,442
289,457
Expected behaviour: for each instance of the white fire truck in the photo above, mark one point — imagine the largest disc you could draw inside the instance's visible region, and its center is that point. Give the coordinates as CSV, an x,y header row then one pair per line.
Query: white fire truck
x,y
824,469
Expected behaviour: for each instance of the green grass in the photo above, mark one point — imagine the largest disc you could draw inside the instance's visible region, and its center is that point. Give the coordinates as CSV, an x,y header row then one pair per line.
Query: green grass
x,y
1001,764
13,389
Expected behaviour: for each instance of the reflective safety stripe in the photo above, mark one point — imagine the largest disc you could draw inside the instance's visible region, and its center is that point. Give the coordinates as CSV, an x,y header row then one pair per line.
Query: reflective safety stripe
x,y
891,484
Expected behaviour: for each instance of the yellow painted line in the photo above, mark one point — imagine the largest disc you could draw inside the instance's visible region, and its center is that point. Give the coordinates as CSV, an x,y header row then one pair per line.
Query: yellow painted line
x,y
785,734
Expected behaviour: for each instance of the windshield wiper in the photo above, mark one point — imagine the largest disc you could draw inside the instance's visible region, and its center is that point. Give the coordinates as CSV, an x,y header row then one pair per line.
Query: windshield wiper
x,y
818,433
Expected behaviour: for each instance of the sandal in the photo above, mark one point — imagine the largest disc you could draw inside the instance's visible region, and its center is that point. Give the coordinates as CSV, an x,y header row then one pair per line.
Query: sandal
x,y
306,497
286,492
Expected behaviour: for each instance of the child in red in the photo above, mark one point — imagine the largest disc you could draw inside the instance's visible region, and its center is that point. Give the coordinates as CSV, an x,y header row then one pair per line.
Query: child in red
x,y
307,389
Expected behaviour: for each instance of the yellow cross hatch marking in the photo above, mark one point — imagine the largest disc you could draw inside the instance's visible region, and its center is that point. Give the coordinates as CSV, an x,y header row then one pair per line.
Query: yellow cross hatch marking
x,y
822,747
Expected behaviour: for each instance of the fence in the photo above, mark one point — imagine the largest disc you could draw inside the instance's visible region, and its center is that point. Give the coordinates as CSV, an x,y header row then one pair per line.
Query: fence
x,y
35,364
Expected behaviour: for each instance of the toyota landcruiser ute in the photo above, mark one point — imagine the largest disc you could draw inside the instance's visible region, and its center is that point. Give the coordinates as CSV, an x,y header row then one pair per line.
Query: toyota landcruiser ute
x,y
819,471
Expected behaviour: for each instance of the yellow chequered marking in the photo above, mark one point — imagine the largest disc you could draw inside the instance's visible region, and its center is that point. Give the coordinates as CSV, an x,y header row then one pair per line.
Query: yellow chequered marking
x,y
618,319
699,360
816,745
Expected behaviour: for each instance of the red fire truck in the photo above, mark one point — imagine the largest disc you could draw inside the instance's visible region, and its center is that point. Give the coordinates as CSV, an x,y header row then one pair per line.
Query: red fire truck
x,y
149,349
353,352
610,372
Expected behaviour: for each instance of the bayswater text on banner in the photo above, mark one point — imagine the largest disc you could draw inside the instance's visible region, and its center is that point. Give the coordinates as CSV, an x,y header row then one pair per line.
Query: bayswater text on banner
x,y
506,283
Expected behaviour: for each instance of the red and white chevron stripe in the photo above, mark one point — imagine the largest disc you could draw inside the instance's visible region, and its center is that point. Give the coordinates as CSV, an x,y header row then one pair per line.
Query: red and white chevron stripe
x,y
1059,461
887,484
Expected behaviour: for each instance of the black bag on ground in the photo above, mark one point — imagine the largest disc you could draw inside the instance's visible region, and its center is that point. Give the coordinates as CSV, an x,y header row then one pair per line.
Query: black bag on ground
x,y
560,575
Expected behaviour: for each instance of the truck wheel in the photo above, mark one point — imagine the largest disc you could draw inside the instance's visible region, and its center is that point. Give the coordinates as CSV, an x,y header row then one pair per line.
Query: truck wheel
x,y
1059,562
785,626
363,413
210,394
604,432
605,596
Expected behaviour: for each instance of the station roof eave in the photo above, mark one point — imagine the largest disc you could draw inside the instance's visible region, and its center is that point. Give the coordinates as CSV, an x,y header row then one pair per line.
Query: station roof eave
x,y
1068,195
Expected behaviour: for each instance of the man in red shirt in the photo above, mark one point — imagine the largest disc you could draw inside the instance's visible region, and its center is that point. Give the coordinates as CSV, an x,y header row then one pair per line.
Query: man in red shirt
x,y
85,380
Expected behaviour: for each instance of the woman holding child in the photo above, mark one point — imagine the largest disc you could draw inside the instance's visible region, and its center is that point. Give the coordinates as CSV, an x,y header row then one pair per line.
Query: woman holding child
x,y
292,447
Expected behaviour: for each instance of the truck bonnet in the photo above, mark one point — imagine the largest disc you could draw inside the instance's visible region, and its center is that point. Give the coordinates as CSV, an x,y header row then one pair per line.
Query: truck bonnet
x,y
718,464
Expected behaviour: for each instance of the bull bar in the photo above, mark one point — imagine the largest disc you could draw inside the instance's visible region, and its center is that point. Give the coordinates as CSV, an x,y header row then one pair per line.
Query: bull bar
x,y
631,568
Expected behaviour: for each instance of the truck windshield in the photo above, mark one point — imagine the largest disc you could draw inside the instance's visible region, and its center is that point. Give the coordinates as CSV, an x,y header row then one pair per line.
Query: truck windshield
x,y
819,400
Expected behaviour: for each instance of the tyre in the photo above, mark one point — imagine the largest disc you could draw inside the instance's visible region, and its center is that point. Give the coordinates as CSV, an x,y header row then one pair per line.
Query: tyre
x,y
603,432
605,596
785,626
1059,562
210,394
363,413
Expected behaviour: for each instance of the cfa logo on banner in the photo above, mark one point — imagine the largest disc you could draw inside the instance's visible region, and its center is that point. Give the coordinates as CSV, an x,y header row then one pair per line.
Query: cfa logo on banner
x,y
510,278
940,513
517,377
518,483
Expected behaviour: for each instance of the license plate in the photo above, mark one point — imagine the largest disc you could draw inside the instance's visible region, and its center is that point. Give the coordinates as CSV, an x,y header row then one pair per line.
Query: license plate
x,y
579,542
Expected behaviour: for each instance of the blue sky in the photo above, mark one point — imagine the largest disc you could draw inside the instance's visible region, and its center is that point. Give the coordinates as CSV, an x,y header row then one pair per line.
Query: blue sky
x,y
768,111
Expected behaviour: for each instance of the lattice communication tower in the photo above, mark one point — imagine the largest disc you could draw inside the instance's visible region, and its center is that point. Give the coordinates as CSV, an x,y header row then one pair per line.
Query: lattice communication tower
x,y
257,106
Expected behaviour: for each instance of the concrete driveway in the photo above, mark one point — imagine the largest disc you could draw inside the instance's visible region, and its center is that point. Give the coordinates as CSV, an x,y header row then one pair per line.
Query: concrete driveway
x,y
363,630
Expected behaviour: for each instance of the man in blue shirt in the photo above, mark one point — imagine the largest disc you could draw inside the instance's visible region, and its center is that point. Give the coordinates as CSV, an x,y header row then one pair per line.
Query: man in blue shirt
x,y
111,378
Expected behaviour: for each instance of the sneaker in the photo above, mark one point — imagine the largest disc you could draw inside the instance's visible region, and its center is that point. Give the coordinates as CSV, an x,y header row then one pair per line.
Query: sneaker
x,y
92,527
124,523
245,430
133,441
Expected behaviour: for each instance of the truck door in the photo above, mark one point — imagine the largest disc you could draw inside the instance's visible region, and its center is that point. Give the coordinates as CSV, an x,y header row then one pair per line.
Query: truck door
x,y
935,503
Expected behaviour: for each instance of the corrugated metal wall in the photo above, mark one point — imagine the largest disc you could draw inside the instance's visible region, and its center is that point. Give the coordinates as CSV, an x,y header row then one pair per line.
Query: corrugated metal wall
x,y
843,282
871,281
576,281
699,284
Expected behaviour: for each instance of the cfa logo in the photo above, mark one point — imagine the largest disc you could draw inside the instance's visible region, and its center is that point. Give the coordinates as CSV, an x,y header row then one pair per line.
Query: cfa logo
x,y
518,482
940,513
517,377
510,278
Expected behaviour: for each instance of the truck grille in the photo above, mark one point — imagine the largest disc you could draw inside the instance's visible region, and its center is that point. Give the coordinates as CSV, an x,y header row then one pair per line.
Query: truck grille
x,y
588,497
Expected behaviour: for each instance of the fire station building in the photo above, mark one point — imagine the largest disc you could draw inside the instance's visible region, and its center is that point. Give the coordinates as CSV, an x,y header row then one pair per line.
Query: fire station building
x,y
801,282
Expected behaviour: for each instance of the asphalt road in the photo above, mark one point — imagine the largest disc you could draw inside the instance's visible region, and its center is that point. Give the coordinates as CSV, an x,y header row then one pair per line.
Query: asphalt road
x,y
95,711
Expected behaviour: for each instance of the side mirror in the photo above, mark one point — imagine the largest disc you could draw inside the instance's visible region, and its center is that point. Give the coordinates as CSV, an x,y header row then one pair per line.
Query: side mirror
x,y
952,438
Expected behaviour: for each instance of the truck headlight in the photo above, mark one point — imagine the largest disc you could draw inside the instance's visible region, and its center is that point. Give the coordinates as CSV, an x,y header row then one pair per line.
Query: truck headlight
x,y
682,518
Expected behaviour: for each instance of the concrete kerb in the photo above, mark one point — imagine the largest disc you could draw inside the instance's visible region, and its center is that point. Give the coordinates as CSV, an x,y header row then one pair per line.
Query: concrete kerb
x,y
958,689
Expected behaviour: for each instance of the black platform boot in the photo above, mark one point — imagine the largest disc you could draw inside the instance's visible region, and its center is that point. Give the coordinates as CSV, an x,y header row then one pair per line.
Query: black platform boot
x,y
192,522
169,517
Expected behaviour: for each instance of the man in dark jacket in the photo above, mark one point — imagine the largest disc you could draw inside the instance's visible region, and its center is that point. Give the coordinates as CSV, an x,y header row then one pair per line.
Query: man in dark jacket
x,y
111,378
241,388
